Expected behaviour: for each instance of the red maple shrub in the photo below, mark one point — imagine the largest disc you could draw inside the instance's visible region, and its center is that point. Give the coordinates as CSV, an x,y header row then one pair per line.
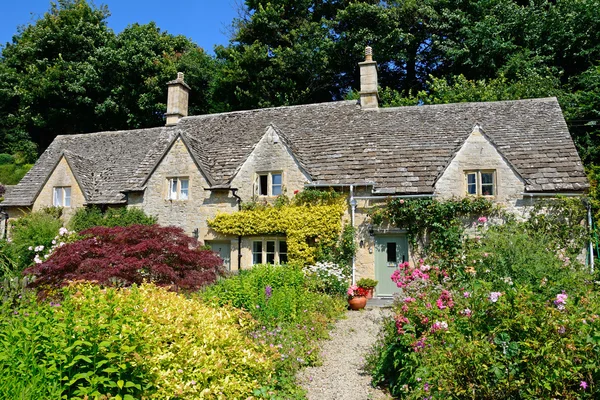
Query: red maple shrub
x,y
122,256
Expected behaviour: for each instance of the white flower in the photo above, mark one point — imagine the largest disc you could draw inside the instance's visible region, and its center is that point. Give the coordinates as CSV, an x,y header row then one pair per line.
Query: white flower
x,y
30,248
54,242
37,259
63,231
494,296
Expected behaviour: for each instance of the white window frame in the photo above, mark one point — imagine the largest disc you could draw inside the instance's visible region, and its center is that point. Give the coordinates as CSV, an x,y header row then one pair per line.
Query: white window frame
x,y
61,196
270,185
178,188
264,252
479,182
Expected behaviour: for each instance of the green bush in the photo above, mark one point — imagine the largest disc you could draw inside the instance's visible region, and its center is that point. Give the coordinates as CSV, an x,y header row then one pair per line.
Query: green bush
x,y
11,174
35,229
133,343
89,217
6,159
292,318
519,320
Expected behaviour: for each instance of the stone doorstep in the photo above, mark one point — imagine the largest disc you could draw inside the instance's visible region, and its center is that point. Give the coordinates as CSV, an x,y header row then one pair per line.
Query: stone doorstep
x,y
382,302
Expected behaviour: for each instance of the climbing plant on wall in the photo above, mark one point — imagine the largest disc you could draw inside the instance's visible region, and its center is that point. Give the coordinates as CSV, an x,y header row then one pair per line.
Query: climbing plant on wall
x,y
436,227
310,220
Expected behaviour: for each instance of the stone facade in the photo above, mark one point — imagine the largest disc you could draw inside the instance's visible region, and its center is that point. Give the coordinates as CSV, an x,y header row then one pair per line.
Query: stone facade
x,y
190,214
478,154
62,176
269,155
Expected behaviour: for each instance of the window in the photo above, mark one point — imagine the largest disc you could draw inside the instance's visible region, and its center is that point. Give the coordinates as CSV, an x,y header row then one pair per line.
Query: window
x,y
62,196
269,184
263,189
283,252
481,183
178,189
276,184
269,251
257,255
391,252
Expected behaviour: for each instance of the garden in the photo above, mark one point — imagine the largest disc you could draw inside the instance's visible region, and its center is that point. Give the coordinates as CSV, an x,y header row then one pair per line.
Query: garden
x,y
115,306
506,309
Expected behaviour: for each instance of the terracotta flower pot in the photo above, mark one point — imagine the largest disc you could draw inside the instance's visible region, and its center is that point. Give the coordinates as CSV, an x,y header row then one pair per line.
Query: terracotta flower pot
x,y
357,303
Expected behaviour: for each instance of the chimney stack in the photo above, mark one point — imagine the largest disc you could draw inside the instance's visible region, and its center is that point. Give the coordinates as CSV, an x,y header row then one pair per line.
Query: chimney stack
x,y
177,100
369,98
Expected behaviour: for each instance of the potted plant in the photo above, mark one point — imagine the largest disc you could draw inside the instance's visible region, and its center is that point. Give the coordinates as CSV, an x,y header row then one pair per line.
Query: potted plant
x,y
357,297
368,284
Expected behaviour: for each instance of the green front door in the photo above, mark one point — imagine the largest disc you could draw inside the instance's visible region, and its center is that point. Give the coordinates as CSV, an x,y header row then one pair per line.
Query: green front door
x,y
224,250
390,250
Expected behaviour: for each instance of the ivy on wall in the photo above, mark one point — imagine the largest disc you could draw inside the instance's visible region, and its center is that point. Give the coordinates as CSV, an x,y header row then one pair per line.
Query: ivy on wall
x,y
309,221
436,227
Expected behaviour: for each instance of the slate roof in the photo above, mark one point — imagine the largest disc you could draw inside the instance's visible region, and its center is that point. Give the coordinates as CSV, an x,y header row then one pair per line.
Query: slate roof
x,y
399,150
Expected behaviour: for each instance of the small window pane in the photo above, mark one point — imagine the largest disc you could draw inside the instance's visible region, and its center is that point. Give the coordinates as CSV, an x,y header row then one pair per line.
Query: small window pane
x,y
67,198
283,252
391,252
58,197
270,252
472,183
183,191
276,184
487,184
257,253
263,185
173,189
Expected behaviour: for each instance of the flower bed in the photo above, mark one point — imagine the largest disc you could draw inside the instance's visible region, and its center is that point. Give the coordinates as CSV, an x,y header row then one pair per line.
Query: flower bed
x,y
483,334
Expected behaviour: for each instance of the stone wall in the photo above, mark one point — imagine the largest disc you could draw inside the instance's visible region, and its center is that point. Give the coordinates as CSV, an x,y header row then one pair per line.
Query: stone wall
x,y
269,155
62,176
478,153
190,214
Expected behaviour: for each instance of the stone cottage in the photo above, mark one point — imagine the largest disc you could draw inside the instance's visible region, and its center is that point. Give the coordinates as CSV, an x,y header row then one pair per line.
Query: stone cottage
x,y
196,166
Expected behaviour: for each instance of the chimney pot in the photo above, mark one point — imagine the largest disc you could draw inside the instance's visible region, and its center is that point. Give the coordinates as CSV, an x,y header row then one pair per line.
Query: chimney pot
x,y
369,96
177,100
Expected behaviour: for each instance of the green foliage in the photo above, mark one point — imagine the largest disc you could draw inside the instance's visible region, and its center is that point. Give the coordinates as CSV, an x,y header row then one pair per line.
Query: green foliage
x,y
6,159
291,318
515,320
367,283
35,229
436,226
310,222
11,174
139,342
85,218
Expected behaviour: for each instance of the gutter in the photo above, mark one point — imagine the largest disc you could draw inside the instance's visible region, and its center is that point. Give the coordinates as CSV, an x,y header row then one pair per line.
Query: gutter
x,y
353,203
239,253
400,196
552,194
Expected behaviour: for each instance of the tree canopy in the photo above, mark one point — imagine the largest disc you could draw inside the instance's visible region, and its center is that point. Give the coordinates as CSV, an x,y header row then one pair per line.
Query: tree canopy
x,y
69,73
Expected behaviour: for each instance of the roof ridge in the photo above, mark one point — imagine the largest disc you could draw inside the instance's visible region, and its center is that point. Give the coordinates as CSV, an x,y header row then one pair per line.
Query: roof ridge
x,y
551,99
121,131
255,110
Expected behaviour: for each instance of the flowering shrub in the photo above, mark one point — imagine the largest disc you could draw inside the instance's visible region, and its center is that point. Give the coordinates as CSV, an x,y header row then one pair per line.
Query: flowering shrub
x,y
329,277
291,317
496,338
128,255
141,342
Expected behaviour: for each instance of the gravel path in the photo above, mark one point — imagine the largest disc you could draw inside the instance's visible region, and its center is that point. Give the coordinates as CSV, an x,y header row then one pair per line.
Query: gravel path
x,y
341,377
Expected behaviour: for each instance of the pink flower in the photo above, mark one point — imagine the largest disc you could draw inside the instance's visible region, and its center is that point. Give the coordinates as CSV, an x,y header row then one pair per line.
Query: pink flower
x,y
494,296
583,385
466,295
482,220
440,304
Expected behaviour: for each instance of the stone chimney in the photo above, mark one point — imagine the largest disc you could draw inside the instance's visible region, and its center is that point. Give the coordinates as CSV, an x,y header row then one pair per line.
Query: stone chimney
x,y
369,98
177,100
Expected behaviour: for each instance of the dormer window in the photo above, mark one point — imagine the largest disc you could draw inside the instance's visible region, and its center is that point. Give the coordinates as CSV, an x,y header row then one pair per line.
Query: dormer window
x,y
178,189
481,183
62,196
270,184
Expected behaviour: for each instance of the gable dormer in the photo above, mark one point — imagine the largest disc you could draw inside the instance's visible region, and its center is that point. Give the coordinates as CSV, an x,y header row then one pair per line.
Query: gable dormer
x,y
478,168
271,169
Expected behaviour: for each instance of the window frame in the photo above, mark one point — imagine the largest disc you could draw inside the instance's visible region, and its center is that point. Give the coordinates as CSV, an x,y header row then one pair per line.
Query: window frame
x,y
270,185
264,250
175,188
62,191
479,182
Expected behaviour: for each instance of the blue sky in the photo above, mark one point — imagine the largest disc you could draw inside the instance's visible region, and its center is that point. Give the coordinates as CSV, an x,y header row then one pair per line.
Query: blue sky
x,y
206,22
